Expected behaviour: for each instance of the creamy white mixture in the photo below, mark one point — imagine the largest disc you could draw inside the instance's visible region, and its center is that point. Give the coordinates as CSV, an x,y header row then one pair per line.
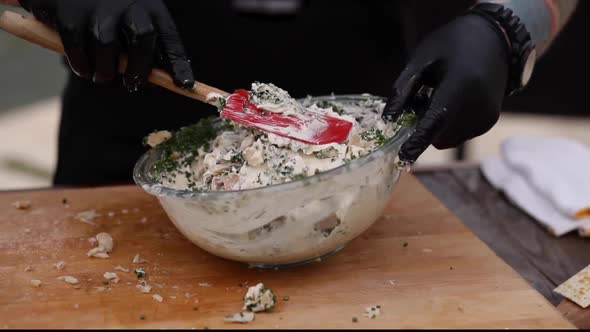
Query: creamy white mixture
x,y
244,158
259,298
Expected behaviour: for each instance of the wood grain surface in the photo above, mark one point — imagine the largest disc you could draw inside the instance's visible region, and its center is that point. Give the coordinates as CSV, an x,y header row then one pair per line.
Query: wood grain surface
x,y
418,262
544,260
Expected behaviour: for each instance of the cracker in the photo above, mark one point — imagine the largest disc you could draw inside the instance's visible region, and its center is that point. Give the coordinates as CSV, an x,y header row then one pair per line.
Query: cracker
x,y
577,288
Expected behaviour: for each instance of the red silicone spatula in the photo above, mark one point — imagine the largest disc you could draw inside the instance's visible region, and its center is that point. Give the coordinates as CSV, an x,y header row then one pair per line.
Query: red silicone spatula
x,y
307,127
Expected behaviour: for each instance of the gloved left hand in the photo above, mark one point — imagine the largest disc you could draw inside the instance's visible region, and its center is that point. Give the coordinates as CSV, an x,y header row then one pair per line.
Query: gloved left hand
x,y
466,62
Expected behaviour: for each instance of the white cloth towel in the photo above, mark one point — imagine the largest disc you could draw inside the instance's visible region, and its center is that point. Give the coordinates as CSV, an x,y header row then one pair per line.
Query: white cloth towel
x,y
549,178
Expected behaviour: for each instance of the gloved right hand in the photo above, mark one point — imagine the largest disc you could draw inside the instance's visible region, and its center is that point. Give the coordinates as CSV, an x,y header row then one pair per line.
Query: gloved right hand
x,y
96,32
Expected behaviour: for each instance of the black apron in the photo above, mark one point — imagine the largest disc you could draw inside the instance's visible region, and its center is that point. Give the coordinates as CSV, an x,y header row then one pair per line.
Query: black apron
x,y
341,47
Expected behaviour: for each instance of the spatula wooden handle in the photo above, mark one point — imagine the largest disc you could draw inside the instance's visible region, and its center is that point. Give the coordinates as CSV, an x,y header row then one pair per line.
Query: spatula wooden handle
x,y
32,30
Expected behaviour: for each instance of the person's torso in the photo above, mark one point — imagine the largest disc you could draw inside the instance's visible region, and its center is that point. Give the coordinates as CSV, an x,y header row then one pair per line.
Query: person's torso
x,y
322,47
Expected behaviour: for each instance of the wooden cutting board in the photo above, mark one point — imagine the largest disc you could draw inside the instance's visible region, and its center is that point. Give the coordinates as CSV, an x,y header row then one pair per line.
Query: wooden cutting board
x,y
418,262
574,313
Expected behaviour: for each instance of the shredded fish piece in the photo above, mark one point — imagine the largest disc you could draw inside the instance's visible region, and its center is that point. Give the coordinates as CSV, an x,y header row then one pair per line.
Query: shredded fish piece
x,y
105,245
60,265
138,260
68,279
240,317
120,268
143,287
88,217
111,276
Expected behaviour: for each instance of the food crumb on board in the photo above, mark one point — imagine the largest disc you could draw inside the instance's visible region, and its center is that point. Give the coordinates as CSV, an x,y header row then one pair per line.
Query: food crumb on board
x,y
373,311
121,268
76,306
158,297
68,279
259,298
204,284
139,260
28,269
102,289
405,244
135,210
36,283
105,246
460,308
111,214
60,265
143,287
172,297
240,317
139,272
187,295
111,276
88,217
27,230
392,282
426,250
143,220
22,205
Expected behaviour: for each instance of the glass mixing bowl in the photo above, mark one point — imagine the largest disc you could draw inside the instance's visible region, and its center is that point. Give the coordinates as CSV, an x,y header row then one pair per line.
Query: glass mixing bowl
x,y
285,224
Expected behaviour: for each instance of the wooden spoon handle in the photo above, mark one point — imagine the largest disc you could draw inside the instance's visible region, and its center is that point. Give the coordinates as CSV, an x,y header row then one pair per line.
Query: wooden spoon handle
x,y
32,30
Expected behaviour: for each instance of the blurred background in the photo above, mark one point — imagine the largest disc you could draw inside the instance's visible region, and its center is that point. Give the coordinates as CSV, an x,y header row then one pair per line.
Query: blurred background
x,y
32,79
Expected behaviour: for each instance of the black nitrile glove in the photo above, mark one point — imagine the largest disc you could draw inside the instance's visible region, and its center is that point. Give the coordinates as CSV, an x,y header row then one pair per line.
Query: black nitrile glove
x,y
466,63
96,32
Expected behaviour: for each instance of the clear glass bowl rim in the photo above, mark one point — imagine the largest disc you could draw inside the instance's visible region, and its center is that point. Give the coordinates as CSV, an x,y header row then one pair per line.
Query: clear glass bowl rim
x,y
143,179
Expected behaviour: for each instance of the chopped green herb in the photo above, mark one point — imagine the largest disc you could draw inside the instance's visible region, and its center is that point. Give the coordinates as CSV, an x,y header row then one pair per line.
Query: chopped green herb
x,y
327,104
285,298
64,201
186,142
221,103
298,177
405,244
195,309
355,320
142,317
407,119
140,272
105,282
375,135
238,158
